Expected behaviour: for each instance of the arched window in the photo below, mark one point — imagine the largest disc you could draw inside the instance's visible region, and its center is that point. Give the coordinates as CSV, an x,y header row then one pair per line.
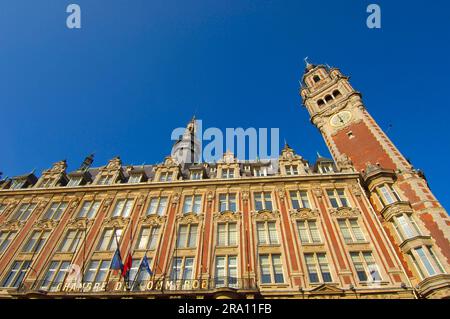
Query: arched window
x,y
328,98
316,78
320,102
336,93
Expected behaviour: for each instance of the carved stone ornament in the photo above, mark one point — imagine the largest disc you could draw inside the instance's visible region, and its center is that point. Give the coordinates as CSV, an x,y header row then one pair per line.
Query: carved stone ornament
x,y
46,224
12,225
304,213
355,189
344,163
345,212
114,164
117,221
107,203
245,195
141,200
189,218
227,216
317,191
281,193
80,222
176,198
152,219
210,196
265,214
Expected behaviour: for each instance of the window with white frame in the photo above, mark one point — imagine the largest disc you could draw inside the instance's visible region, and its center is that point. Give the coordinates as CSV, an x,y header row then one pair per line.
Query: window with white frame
x,y
46,182
226,271
74,181
299,199
365,266
350,230
263,201
71,240
260,171
196,175
325,168
228,173
89,209
123,208
6,236
55,211
388,194
135,178
187,236
226,234
406,226
36,241
97,271
227,202
55,275
337,198
16,274
148,238
165,177
23,212
291,170
105,180
109,239
192,204
182,268
157,206
426,261
17,183
308,231
267,233
318,268
271,269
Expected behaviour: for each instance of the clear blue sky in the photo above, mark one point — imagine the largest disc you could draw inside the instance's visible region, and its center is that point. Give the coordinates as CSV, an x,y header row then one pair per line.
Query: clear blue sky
x,y
137,69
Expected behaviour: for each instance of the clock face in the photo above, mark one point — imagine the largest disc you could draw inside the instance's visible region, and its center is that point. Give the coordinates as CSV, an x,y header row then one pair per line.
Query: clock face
x,y
341,118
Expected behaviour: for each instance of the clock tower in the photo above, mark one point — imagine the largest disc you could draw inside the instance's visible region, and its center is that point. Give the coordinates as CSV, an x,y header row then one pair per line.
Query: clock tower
x,y
397,190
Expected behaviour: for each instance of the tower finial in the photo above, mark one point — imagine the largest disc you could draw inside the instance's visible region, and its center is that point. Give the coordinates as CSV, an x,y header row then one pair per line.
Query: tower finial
x,y
306,61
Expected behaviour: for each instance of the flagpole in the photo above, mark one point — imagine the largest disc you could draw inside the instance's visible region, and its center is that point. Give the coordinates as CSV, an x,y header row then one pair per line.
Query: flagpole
x,y
84,259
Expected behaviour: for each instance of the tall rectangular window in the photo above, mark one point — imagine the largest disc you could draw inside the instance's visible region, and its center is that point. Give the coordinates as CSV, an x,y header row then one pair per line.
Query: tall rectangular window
x,y
56,273
227,202
426,261
226,271
46,182
109,239
308,232
192,204
267,233
36,241
89,209
318,269
406,226
74,181
226,234
71,240
271,269
228,173
365,266
388,194
137,275
96,271
299,199
350,230
337,198
148,238
135,178
165,177
105,180
5,239
123,208
23,212
263,200
157,206
196,175
55,211
187,236
16,274
17,184
182,268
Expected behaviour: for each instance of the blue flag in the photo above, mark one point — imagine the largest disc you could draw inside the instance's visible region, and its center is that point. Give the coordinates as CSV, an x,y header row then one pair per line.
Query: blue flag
x,y
116,262
145,265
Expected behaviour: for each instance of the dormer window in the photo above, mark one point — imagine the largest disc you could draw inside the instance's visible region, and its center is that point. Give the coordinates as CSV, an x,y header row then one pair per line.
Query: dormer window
x,y
105,180
326,168
316,78
75,181
291,170
165,177
135,178
328,98
17,184
228,173
260,171
196,175
46,182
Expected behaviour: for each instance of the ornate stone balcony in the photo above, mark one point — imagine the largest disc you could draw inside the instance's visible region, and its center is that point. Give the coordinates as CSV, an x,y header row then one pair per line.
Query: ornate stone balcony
x,y
394,209
435,287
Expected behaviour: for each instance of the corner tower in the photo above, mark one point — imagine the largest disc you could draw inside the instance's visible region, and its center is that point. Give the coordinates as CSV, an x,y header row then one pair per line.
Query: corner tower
x,y
417,224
